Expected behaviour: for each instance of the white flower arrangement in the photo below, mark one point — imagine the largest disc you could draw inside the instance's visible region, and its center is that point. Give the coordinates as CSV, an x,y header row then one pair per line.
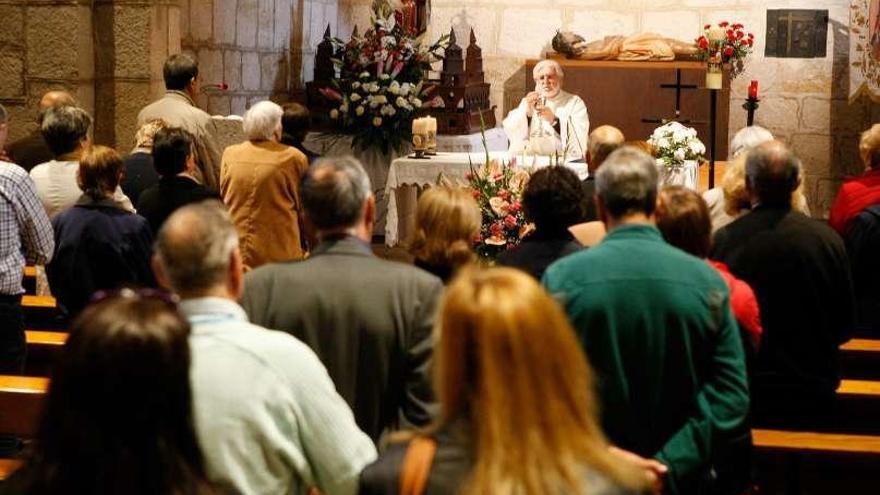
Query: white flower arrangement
x,y
674,144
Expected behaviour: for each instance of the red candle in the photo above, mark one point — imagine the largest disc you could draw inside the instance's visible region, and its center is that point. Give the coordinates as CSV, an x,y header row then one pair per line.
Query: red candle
x,y
753,90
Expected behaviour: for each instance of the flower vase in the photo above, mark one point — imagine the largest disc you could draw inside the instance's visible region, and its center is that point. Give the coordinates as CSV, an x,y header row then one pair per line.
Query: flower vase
x,y
685,173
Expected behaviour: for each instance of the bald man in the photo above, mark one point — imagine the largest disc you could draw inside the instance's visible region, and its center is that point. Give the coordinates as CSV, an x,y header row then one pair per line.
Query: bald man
x,y
32,150
602,142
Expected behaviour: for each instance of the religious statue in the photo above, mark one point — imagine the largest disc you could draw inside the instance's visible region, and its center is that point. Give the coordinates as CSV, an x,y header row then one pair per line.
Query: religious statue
x,y
550,121
638,47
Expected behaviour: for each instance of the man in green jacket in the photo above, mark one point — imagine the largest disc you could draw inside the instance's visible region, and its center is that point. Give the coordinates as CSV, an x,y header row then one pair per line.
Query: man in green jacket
x,y
657,326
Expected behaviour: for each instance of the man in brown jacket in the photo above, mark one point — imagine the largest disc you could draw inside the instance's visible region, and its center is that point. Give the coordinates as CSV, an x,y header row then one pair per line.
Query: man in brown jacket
x,y
178,109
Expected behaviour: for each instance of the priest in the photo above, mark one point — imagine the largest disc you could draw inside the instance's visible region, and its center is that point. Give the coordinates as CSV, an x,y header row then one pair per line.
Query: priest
x,y
549,114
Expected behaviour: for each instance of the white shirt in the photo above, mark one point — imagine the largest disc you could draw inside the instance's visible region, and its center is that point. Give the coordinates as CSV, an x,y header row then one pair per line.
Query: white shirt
x,y
268,417
56,186
574,127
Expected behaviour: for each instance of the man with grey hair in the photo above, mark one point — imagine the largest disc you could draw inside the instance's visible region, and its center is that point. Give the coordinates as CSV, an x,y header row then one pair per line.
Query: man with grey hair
x,y
267,415
66,131
603,141
368,319
657,326
800,273
27,238
178,109
549,112
32,150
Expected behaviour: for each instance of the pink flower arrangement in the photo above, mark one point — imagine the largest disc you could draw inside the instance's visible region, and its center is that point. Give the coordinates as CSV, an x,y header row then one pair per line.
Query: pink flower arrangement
x,y
498,188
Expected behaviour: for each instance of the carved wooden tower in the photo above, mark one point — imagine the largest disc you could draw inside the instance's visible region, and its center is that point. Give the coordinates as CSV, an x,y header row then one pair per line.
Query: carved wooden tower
x,y
463,90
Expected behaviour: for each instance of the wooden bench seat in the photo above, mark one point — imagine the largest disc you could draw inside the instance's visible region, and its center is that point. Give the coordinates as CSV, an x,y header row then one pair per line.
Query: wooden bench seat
x,y
816,442
21,404
43,347
41,312
860,359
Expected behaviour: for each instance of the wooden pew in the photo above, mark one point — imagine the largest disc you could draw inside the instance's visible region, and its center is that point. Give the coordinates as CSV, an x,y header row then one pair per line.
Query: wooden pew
x,y
860,358
43,347
21,403
41,312
29,280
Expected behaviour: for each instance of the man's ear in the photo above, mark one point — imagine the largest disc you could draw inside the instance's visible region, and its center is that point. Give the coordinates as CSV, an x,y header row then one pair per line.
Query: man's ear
x,y
159,272
235,277
370,211
600,210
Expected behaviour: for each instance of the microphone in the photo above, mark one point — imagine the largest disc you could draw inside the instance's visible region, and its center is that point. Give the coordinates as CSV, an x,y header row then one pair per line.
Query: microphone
x,y
214,87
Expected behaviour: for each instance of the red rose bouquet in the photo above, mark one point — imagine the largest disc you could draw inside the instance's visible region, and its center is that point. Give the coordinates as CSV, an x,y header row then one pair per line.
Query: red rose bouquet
x,y
734,43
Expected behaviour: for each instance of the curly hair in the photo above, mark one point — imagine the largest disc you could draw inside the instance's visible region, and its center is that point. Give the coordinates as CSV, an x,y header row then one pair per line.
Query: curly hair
x,y
554,199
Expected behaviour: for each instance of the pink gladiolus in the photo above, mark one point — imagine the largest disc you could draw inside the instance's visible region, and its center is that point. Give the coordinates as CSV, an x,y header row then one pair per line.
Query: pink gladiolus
x,y
397,68
330,94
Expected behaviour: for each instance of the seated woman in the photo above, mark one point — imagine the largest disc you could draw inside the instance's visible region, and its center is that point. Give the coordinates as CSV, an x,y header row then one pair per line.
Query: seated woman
x,y
554,201
259,182
517,410
683,219
447,220
98,244
118,417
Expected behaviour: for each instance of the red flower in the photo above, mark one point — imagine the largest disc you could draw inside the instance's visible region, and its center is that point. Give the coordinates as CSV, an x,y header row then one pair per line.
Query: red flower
x,y
737,26
728,51
469,176
707,26
723,24
504,194
703,42
739,34
515,207
496,229
476,194
510,221
749,41
751,36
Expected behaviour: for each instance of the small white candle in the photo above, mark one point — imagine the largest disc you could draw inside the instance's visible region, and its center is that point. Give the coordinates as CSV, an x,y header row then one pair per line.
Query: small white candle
x,y
714,80
431,124
419,126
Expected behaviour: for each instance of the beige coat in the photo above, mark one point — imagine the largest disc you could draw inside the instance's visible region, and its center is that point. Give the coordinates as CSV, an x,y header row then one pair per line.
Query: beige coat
x,y
259,182
177,109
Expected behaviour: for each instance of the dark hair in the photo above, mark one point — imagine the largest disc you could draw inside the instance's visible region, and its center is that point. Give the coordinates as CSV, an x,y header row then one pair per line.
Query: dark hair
x,y
179,70
294,123
64,127
333,192
554,199
99,172
772,173
118,416
171,148
683,219
627,183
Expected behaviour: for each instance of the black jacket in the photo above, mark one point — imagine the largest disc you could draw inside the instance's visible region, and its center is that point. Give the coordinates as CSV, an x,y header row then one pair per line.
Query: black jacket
x,y
863,246
538,250
800,273
139,175
158,202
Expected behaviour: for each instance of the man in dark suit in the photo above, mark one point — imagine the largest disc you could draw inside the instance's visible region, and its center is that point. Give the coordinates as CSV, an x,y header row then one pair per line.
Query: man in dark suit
x,y
175,162
369,320
799,271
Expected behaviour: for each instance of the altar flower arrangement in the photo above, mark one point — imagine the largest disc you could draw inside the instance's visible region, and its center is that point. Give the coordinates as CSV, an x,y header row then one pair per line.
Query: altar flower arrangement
x,y
679,152
382,84
734,43
498,189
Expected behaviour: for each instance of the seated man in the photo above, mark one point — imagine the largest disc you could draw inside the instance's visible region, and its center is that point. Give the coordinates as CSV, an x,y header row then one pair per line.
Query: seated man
x,y
657,327
368,319
175,163
294,127
98,245
550,112
799,271
268,418
178,109
860,192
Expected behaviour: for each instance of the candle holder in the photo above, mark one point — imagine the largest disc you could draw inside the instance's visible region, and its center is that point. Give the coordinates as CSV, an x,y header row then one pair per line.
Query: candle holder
x,y
750,106
431,144
419,146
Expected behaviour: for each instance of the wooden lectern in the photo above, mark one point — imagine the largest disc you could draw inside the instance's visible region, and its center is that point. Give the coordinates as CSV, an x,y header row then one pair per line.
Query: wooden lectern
x,y
638,97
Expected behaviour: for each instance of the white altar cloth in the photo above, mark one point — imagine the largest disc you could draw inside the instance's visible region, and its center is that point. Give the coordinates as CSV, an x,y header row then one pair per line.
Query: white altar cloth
x,y
407,171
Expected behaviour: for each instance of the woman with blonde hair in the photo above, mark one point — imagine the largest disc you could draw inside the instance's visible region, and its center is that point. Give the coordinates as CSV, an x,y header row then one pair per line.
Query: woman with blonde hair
x,y
447,220
517,410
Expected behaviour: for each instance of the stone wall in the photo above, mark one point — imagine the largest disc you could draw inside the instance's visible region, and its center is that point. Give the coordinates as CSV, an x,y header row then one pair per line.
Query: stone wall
x,y
53,45
804,101
44,46
260,48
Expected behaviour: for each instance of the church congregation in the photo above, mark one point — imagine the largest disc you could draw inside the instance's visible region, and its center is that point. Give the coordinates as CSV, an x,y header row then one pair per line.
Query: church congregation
x,y
580,317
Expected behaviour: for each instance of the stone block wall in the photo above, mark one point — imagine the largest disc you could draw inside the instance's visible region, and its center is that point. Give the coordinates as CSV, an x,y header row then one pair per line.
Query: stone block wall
x,y
260,48
43,46
804,101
